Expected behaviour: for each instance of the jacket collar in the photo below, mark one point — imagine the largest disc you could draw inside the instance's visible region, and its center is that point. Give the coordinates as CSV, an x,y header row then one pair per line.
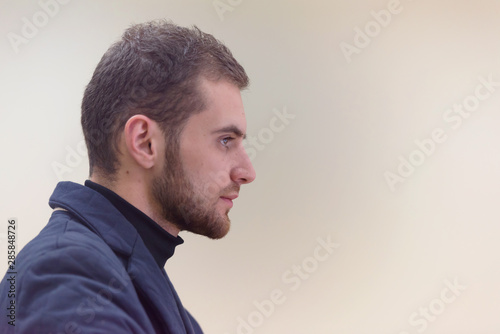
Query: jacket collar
x,y
95,211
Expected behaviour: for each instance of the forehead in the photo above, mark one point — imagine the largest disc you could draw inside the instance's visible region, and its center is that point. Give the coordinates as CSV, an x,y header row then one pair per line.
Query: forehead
x,y
223,107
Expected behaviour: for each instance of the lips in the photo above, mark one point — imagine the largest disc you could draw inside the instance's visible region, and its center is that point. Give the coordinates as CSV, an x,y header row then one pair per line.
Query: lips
x,y
228,199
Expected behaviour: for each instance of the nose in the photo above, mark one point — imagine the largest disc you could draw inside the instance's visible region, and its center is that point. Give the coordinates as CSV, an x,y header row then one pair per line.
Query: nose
x,y
243,172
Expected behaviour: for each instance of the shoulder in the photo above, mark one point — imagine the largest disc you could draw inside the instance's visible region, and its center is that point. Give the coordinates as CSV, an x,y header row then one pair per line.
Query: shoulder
x,y
65,241
68,249
68,277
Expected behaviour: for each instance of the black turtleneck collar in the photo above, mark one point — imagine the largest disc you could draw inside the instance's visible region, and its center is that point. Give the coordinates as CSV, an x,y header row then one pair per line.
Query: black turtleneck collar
x,y
159,242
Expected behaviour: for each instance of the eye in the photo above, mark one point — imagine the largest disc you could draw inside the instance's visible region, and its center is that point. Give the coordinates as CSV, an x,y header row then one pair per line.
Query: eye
x,y
224,141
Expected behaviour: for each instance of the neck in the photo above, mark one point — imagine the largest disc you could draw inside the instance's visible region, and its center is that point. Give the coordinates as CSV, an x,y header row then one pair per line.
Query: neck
x,y
136,192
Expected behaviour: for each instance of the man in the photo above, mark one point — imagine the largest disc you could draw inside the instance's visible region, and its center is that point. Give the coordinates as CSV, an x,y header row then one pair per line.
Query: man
x,y
164,123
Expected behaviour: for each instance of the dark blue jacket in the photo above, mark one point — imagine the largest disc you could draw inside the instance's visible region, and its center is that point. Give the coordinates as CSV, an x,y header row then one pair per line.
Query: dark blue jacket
x,y
88,271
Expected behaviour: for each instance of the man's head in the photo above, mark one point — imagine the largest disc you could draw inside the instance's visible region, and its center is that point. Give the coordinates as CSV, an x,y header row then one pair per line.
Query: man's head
x,y
162,116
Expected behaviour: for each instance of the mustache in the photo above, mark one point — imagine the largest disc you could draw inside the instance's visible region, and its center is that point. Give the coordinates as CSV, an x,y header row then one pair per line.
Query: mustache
x,y
209,192
231,189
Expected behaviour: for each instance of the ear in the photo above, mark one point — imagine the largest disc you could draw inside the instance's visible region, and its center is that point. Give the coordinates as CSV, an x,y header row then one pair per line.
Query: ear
x,y
142,137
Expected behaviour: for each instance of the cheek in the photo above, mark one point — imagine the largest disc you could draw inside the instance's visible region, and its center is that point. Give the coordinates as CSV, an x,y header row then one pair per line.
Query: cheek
x,y
207,168
193,160
200,173
211,179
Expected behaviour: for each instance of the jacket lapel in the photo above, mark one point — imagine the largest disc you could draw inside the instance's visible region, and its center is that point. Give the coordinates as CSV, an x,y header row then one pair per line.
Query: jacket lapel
x,y
157,290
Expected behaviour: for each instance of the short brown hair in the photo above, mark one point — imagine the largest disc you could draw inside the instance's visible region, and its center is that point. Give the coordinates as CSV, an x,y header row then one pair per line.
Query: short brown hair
x,y
153,70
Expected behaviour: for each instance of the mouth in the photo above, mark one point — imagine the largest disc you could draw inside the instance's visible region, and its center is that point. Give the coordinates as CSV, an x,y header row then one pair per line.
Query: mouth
x,y
228,199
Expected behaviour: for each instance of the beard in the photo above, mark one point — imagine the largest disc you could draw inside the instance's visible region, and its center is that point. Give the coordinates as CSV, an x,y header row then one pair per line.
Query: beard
x,y
188,208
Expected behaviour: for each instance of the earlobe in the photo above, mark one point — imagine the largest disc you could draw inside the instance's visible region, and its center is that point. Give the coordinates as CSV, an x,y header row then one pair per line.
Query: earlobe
x,y
140,135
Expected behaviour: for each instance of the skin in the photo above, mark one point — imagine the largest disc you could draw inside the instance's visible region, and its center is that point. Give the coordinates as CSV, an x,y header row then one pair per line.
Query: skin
x,y
194,190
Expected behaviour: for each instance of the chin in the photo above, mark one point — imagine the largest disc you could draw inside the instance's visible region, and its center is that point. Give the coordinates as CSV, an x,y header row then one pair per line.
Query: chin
x,y
220,231
214,229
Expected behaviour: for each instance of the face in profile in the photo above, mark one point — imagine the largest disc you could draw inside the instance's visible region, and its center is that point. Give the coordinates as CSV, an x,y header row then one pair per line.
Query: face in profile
x,y
197,186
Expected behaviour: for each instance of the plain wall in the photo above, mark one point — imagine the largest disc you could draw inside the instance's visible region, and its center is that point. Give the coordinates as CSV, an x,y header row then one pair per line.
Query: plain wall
x,y
359,105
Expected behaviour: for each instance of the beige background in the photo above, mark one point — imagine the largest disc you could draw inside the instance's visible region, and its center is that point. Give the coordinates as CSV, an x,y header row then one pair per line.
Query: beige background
x,y
322,175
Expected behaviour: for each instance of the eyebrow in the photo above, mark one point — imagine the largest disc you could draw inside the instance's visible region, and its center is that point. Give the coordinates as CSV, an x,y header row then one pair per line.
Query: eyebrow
x,y
231,128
